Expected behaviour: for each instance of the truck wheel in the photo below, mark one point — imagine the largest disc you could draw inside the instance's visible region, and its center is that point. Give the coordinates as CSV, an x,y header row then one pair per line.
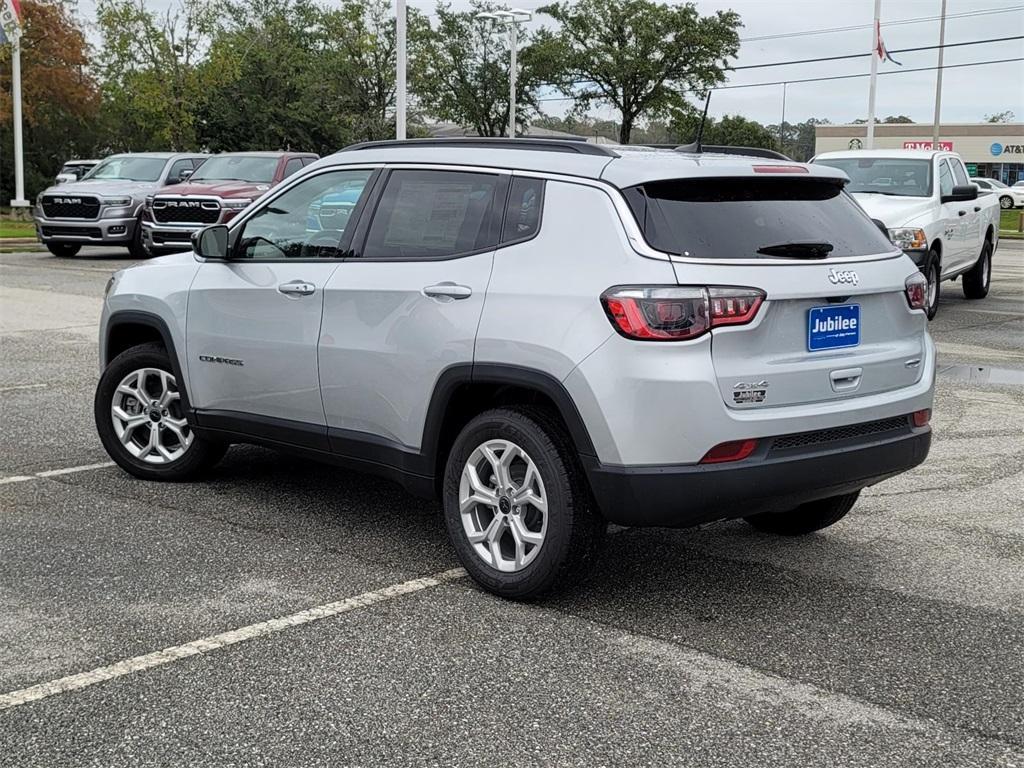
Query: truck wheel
x,y
141,422
977,279
516,504
807,518
136,248
64,250
1006,202
933,273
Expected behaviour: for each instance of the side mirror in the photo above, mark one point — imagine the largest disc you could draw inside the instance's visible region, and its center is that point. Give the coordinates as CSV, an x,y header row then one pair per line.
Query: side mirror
x,y
184,175
961,193
882,228
211,242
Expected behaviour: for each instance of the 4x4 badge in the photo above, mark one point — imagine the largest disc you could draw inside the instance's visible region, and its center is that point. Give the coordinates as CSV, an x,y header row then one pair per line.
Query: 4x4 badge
x,y
843,276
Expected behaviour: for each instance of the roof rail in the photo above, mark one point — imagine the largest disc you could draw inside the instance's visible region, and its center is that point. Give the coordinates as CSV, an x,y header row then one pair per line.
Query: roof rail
x,y
725,150
573,145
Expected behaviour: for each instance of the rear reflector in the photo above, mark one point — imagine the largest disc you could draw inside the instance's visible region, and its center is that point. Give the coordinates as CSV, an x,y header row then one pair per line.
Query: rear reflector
x,y
734,450
921,418
780,169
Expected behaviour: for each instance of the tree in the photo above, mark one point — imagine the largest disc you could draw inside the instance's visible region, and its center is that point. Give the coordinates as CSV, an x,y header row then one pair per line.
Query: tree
x,y
60,97
730,131
462,69
151,81
638,56
1006,116
888,120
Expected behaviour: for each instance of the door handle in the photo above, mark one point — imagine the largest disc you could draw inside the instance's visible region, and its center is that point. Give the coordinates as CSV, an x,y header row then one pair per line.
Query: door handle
x,y
296,288
977,208
845,380
448,291
962,213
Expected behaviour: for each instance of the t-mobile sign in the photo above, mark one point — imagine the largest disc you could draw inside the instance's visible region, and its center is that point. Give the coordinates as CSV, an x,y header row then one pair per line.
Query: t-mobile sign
x,y
946,146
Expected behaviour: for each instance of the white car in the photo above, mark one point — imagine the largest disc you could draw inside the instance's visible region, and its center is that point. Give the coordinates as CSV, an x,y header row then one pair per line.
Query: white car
x,y
1009,197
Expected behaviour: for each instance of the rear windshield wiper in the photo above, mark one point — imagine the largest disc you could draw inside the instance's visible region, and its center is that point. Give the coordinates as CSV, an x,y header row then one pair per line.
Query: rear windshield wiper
x,y
800,250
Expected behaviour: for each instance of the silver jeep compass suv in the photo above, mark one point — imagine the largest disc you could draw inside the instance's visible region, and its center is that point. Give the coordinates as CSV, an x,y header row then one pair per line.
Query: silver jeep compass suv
x,y
547,335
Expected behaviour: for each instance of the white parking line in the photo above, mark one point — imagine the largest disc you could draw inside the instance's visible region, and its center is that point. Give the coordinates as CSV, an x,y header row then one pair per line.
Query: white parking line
x,y
54,473
19,387
222,640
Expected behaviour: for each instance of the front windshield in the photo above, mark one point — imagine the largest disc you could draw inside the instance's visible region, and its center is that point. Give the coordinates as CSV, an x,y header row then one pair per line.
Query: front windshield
x,y
128,168
251,168
885,175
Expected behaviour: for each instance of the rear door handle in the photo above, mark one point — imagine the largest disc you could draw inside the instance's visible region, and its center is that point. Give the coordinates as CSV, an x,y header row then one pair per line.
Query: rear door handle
x,y
297,288
962,213
448,291
977,208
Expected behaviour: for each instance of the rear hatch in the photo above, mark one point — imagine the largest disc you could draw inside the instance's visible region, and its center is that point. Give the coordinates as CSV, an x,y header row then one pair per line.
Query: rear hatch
x,y
835,322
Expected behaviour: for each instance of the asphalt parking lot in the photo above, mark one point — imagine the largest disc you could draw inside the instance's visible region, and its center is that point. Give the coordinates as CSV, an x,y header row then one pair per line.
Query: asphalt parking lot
x,y
895,638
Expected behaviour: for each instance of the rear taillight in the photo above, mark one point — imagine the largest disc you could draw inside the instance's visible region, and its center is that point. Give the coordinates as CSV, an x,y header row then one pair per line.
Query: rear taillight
x,y
917,291
922,417
678,313
734,450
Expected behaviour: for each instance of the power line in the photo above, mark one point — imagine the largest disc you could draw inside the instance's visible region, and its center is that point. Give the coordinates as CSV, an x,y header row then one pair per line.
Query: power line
x,y
870,53
838,77
894,23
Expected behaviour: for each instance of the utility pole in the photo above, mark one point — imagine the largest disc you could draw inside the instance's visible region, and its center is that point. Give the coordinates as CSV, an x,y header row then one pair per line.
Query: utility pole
x,y
782,123
938,79
400,84
875,30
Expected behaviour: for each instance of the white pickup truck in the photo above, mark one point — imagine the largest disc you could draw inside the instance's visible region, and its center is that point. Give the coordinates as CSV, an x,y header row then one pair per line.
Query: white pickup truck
x,y
930,209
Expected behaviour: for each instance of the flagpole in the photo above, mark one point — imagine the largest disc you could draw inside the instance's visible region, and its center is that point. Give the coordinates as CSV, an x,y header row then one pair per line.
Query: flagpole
x,y
938,79
870,143
19,200
400,56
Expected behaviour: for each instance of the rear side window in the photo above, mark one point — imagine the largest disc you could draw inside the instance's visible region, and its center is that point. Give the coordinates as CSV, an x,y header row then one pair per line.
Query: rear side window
x,y
735,218
522,214
293,165
433,214
959,173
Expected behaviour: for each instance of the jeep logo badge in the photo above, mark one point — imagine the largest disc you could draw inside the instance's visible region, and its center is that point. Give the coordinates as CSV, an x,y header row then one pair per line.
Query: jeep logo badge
x,y
843,276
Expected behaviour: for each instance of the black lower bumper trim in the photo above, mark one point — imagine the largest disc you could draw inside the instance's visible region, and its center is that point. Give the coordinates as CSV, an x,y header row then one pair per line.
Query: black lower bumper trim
x,y
679,496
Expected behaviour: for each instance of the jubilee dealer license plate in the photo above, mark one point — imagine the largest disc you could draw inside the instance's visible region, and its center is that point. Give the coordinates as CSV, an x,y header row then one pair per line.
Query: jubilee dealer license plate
x,y
833,327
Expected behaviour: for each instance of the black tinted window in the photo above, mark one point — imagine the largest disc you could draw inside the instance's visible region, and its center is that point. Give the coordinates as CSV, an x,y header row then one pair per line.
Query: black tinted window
x,y
424,214
522,214
734,218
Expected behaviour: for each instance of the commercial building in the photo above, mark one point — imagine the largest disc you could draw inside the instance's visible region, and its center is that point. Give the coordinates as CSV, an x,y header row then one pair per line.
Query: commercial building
x,y
991,150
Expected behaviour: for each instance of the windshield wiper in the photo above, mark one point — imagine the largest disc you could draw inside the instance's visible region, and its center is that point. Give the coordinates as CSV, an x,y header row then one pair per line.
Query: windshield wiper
x,y
798,250
879,192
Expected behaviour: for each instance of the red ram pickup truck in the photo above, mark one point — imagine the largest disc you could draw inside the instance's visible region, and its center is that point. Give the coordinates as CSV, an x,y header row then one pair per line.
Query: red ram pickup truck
x,y
214,193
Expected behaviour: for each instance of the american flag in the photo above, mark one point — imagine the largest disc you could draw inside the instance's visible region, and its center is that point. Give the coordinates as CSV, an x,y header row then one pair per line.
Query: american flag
x,y
881,50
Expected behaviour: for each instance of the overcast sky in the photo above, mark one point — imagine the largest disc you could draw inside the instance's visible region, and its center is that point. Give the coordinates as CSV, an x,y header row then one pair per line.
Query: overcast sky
x,y
968,93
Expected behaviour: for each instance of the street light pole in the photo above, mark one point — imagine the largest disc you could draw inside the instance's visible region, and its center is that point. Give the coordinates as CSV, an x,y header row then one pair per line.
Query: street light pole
x,y
938,79
512,18
400,95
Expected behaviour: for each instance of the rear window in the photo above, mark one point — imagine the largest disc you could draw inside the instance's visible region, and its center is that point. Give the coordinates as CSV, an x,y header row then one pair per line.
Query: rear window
x,y
734,218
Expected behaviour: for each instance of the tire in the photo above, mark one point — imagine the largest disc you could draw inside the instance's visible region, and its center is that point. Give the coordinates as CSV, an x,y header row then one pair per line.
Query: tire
x,y
569,534
63,250
136,248
979,277
933,274
1006,202
807,518
171,458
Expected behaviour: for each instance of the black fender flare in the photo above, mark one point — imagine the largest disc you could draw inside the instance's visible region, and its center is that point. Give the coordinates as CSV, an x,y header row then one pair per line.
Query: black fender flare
x,y
136,317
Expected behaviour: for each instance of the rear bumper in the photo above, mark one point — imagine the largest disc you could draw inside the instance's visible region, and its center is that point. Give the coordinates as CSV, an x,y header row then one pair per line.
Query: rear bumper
x,y
773,479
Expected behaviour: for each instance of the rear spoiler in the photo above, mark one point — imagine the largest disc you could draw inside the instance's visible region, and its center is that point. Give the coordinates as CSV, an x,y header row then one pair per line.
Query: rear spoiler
x,y
721,149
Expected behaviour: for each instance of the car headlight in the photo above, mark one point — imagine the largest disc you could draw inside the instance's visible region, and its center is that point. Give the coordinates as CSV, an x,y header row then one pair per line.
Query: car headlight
x,y
236,205
909,239
117,201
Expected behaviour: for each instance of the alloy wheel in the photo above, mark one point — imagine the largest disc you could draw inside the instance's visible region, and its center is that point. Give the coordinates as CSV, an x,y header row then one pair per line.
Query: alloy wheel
x,y
147,417
503,505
